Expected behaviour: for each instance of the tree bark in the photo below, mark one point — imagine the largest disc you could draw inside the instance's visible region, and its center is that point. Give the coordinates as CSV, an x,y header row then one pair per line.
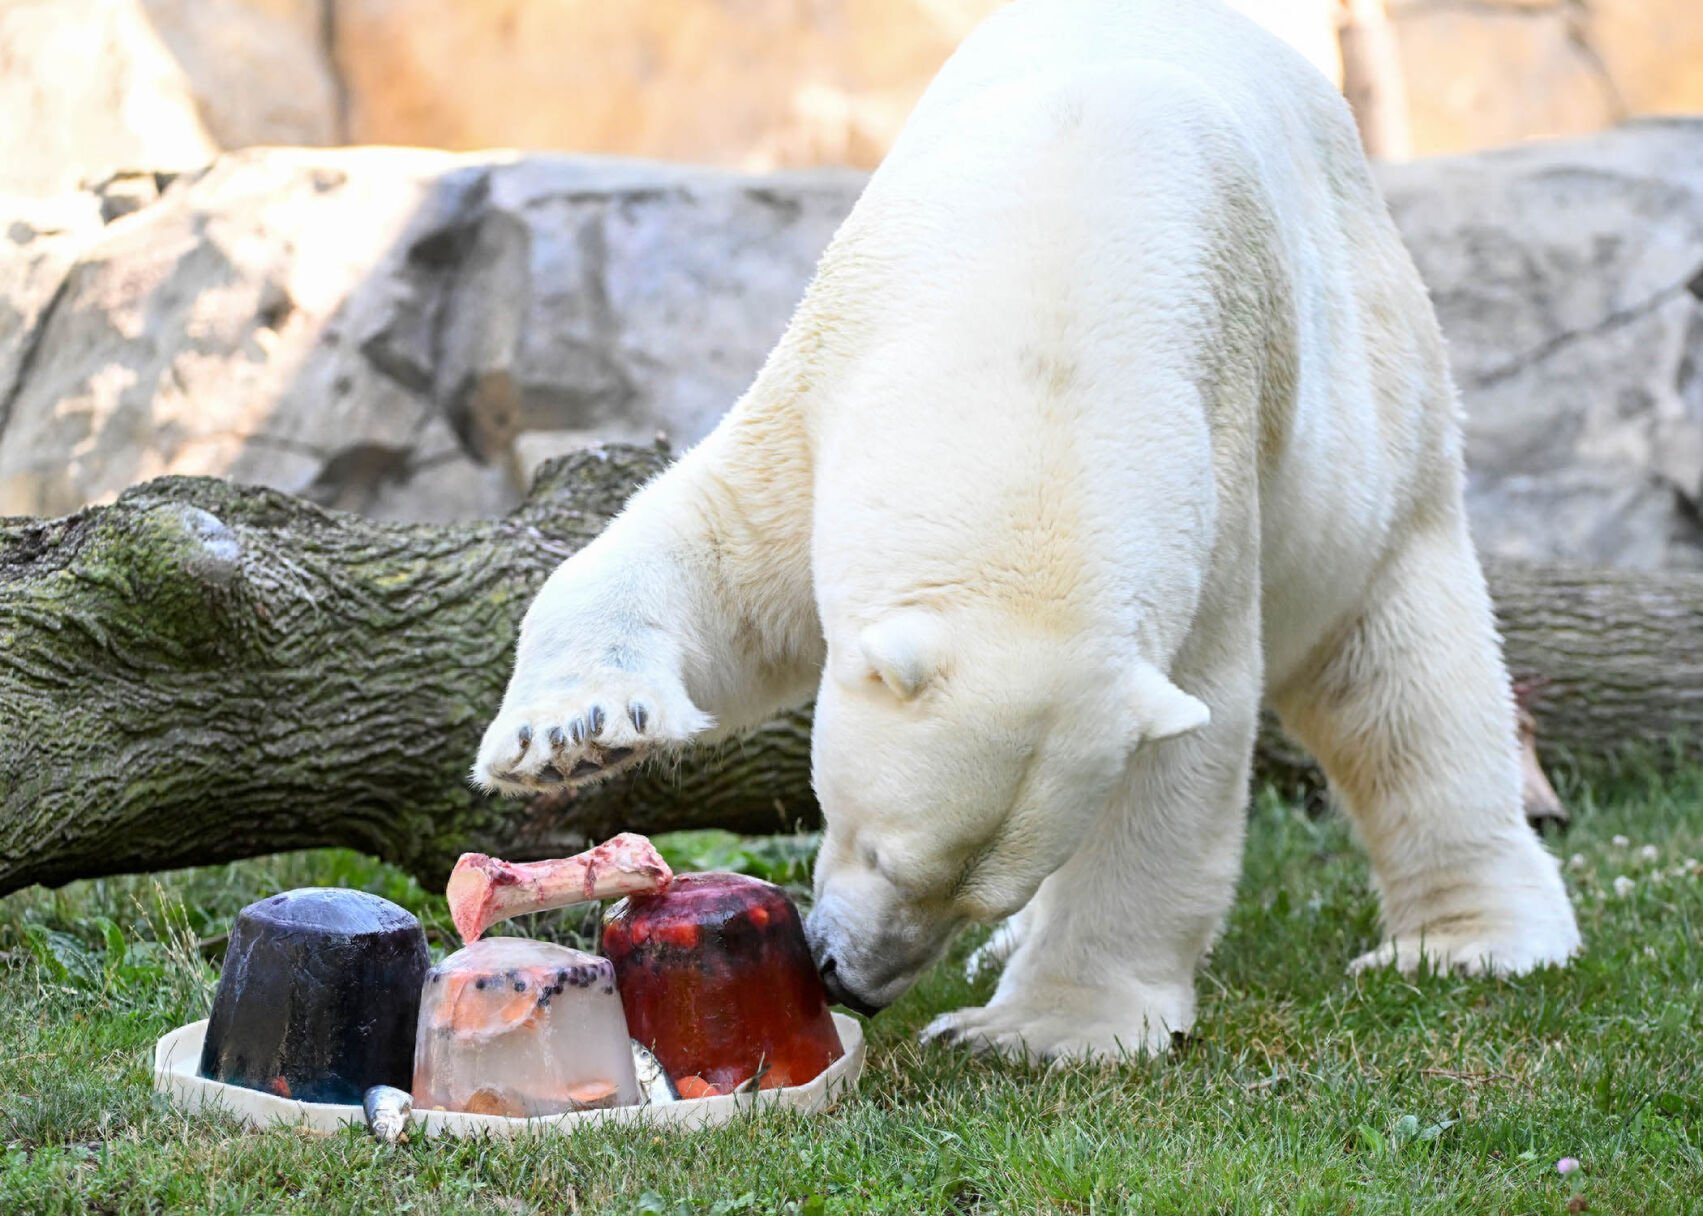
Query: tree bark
x,y
202,672
1614,658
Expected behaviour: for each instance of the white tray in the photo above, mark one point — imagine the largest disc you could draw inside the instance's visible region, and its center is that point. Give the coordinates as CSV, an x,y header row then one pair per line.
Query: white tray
x,y
177,1056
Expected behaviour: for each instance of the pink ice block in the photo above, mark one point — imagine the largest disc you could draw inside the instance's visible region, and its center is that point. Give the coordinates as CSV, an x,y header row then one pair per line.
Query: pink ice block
x,y
515,1027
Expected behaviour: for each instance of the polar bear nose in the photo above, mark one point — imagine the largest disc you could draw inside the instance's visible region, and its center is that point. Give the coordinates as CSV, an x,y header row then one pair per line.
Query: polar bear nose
x,y
839,994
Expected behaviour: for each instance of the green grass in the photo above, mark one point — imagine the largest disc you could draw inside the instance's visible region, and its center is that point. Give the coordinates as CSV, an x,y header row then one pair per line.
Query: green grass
x,y
1303,1091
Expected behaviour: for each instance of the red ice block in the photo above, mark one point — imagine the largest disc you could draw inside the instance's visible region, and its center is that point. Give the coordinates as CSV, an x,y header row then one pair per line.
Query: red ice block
x,y
717,981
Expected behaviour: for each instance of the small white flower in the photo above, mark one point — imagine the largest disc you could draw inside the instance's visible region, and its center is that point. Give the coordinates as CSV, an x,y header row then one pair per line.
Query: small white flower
x,y
1690,865
1624,886
1576,862
1619,842
1566,1165
1649,852
1649,952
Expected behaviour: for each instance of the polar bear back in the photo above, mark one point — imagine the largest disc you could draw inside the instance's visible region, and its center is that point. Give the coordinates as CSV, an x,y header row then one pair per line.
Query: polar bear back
x,y
1209,292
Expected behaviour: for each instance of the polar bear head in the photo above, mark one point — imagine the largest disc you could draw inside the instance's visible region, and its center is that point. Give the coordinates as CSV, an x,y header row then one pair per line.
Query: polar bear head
x,y
959,760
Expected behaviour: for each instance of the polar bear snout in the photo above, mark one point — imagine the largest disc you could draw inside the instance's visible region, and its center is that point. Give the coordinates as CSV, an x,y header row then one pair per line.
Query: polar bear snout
x,y
870,952
839,994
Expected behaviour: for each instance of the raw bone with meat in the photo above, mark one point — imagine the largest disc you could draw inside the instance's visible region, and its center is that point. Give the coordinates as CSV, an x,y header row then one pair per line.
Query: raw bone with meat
x,y
484,890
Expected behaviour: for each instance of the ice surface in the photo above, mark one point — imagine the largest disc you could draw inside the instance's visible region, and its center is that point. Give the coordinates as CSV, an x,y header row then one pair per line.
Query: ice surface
x,y
510,1026
718,982
318,996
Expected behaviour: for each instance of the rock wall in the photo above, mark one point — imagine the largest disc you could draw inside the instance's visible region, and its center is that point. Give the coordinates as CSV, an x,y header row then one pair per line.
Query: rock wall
x,y
1569,280
750,83
1490,72
128,101
405,333
260,71
409,333
753,84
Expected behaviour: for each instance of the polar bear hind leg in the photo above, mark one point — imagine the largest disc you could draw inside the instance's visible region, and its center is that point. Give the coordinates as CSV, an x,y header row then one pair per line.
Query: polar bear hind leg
x,y
1410,713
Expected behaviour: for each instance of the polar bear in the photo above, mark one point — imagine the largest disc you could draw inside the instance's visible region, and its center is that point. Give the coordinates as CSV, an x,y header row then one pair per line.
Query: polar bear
x,y
1115,406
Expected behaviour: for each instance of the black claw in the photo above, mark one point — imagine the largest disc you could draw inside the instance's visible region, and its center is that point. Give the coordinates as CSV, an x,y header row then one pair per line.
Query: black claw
x,y
639,714
596,717
576,730
549,775
585,767
525,736
558,740
1549,825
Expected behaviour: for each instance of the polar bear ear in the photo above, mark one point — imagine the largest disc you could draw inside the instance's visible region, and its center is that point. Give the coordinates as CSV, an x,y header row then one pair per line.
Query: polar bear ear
x,y
905,650
1161,709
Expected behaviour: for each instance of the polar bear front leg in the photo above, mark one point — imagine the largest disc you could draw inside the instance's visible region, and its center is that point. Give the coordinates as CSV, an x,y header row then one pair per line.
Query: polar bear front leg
x,y
1103,958
598,680
1411,716
691,614
1002,943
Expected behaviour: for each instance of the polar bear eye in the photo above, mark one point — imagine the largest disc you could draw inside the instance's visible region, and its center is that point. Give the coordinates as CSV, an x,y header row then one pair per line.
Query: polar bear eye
x,y
906,884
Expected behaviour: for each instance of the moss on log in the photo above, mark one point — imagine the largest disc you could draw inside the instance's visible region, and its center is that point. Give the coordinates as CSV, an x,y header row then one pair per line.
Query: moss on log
x,y
202,672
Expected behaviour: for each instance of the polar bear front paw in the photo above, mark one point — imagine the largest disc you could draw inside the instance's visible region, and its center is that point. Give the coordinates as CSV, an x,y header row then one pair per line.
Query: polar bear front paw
x,y
1059,1033
590,729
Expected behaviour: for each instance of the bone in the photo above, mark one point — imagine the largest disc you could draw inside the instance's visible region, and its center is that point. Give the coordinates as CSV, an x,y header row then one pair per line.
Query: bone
x,y
485,890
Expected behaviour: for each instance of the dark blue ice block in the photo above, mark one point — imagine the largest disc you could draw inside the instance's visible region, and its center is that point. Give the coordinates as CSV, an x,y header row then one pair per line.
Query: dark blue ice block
x,y
319,996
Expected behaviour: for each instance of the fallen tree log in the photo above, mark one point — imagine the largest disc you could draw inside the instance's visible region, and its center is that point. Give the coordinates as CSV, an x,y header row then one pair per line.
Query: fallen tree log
x,y
202,672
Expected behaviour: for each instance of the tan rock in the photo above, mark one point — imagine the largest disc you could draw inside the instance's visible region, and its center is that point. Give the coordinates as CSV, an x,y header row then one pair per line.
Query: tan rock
x,y
746,83
258,69
87,87
1653,50
749,83
1481,76
753,83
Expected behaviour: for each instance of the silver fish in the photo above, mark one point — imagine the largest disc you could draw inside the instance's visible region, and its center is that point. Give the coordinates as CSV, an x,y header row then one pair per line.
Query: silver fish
x,y
387,1109
656,1086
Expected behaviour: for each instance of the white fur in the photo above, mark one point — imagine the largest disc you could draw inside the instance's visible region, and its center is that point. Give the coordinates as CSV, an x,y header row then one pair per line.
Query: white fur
x,y
1115,405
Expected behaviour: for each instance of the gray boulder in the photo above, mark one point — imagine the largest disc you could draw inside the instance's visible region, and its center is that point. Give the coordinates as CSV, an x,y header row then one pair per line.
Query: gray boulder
x,y
1569,279
409,333
403,333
